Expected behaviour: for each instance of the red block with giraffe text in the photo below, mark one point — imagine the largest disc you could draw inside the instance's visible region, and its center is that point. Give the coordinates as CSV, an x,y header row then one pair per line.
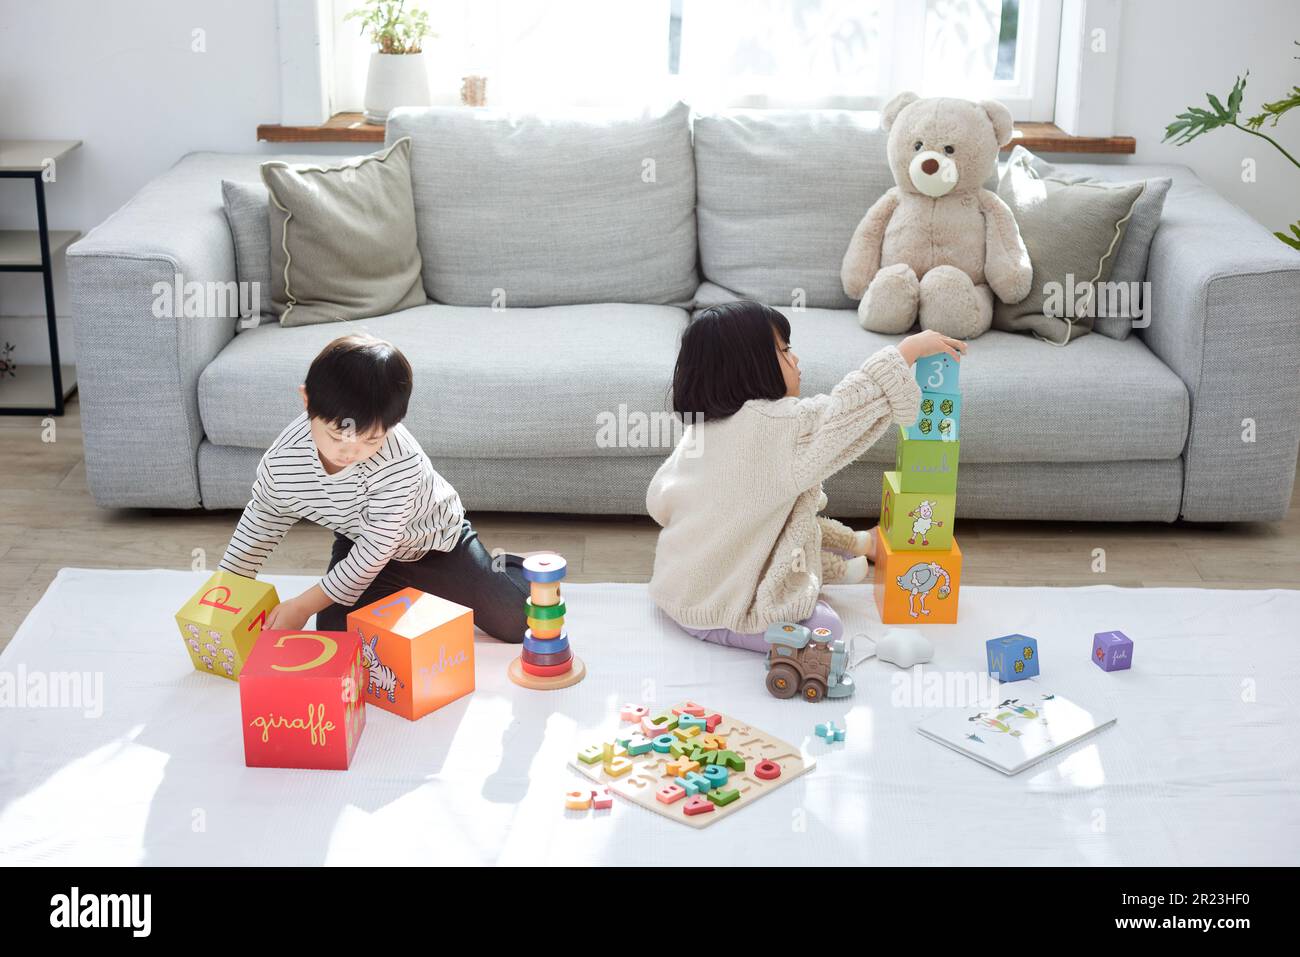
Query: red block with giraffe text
x,y
300,696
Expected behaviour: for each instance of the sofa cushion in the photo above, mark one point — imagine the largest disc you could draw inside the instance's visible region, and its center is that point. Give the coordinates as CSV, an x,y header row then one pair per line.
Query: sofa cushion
x,y
1073,231
519,382
343,238
1023,400
576,208
1134,248
251,230
780,193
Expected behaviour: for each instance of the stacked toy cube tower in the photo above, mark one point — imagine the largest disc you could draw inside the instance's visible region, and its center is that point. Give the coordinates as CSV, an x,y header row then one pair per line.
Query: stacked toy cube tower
x,y
918,562
547,661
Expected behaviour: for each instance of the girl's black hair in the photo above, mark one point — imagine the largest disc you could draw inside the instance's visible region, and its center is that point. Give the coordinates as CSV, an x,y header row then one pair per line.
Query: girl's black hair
x,y
728,357
360,381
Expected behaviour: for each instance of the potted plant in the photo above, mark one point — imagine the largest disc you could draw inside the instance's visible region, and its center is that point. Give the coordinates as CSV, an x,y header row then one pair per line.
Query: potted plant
x,y
398,74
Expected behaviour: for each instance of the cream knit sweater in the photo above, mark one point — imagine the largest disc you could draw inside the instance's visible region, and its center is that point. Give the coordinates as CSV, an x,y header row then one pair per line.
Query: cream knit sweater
x,y
737,500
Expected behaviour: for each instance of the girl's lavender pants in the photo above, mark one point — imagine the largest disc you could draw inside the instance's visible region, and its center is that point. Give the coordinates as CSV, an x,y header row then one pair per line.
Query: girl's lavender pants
x,y
823,616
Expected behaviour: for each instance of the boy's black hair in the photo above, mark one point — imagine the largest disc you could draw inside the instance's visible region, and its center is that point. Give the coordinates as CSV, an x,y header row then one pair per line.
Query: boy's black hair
x,y
727,357
362,379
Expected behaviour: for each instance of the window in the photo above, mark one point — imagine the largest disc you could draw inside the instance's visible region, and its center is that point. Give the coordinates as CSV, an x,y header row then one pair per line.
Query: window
x,y
851,54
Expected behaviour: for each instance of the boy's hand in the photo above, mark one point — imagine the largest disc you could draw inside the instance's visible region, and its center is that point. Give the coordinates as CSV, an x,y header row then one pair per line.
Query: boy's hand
x,y
930,343
288,616
292,615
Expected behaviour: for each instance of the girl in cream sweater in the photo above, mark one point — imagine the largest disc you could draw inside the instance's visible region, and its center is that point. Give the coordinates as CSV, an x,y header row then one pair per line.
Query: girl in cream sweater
x,y
742,544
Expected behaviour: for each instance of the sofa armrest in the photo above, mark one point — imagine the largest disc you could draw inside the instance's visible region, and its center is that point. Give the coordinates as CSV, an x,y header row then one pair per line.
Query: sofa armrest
x,y
1224,314
137,372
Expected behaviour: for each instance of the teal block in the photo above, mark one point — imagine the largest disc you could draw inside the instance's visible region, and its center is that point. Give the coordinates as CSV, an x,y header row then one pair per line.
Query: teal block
x,y
694,783
939,419
938,373
716,774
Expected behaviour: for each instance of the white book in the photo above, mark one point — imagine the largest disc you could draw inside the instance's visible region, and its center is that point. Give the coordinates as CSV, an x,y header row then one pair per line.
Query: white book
x,y
1017,728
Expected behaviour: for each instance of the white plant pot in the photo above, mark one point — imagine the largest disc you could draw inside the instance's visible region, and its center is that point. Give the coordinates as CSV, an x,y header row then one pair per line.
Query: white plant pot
x,y
395,79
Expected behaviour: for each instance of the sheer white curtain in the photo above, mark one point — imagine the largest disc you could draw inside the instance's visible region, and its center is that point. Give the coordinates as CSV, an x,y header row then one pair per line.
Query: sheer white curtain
x,y
548,54
535,53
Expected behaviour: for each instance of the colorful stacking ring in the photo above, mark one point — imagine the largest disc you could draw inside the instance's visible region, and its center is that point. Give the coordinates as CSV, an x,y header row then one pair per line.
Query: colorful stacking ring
x,y
544,612
545,646
543,661
546,629
546,567
546,671
544,593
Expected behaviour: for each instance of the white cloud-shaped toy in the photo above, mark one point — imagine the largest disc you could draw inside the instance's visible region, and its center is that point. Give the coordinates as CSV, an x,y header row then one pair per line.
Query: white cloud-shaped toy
x,y
904,648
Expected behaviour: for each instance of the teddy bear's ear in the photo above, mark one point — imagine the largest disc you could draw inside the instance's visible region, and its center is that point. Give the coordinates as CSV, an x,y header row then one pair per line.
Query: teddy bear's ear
x,y
894,107
1001,117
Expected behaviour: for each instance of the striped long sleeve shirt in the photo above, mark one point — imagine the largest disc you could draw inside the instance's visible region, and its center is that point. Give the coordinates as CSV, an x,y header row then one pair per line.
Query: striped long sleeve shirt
x,y
393,506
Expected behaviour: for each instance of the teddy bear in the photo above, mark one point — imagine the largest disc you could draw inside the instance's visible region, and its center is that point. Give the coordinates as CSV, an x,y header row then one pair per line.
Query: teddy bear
x,y
938,245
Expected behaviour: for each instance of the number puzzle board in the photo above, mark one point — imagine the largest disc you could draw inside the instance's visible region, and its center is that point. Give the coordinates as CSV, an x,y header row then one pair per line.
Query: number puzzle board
x,y
649,772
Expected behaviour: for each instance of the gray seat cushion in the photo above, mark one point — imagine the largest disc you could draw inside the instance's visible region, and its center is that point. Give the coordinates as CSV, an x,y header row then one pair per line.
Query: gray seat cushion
x,y
519,382
1095,400
547,211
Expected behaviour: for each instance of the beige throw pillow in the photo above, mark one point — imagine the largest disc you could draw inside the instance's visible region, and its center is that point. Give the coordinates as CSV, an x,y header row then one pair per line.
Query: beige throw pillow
x,y
343,238
1072,232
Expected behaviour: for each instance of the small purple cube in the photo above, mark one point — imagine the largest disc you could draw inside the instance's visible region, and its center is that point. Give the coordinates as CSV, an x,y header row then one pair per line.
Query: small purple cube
x,y
1112,650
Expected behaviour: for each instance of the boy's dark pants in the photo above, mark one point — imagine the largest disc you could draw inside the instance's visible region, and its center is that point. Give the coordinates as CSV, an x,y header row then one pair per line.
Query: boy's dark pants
x,y
463,575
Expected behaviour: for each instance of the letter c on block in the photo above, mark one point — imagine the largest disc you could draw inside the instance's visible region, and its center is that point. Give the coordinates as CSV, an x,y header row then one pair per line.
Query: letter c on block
x,y
328,648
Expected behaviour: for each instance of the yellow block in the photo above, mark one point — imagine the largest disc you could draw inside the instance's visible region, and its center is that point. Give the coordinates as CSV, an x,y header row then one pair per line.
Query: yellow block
x,y
221,622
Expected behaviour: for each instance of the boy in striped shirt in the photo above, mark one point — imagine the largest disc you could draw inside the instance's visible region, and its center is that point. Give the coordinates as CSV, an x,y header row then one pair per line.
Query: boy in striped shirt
x,y
349,464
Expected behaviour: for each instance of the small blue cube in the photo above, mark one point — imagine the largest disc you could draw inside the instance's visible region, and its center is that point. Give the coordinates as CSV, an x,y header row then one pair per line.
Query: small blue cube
x,y
1013,657
1112,650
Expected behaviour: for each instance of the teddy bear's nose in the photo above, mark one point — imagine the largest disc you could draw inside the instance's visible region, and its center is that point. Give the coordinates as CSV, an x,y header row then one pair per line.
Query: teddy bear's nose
x,y
930,167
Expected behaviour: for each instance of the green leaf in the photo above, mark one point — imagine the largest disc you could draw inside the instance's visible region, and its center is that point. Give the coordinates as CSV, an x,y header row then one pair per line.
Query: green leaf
x,y
1196,121
1294,243
1276,109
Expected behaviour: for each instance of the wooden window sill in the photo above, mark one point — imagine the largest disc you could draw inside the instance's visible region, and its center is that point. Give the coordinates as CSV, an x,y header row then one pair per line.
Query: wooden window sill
x,y
352,128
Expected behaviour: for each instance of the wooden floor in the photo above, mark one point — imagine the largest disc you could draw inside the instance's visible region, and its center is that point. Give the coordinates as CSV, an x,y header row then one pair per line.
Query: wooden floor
x,y
48,521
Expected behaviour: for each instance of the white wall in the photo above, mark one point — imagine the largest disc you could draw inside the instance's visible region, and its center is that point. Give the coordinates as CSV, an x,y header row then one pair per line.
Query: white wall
x,y
1172,52
121,76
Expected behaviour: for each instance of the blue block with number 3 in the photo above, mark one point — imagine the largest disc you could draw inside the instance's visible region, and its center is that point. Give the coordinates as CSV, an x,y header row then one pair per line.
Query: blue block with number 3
x,y
938,373
1012,657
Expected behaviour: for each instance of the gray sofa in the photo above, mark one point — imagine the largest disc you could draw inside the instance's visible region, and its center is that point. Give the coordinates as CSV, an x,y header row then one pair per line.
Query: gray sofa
x,y
600,237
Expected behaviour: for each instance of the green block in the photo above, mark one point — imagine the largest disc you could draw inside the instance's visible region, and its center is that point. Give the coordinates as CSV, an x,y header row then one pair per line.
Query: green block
x,y
679,748
728,759
591,755
926,466
915,521
722,798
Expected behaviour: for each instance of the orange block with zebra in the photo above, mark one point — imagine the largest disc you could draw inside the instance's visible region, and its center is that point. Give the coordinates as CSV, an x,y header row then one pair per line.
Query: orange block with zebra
x,y
418,652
